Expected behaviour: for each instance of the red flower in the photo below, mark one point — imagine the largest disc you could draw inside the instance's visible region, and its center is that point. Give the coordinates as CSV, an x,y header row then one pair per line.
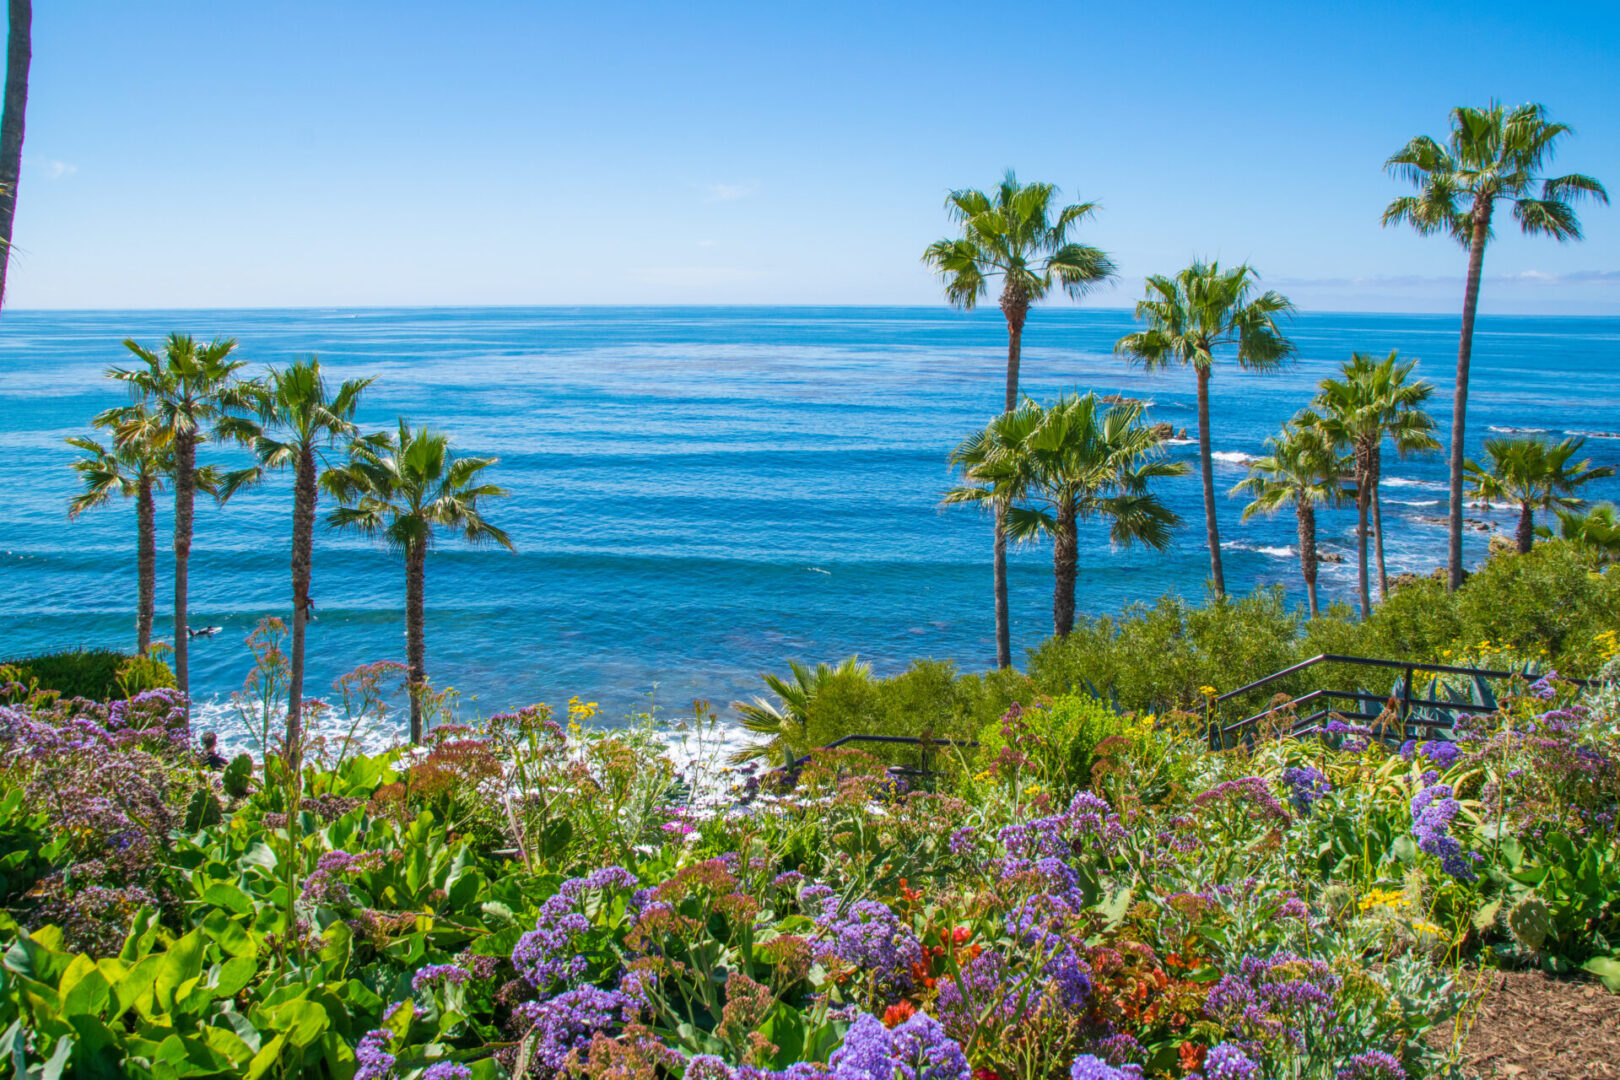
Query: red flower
x,y
1192,1057
982,1073
895,1015
960,936
908,893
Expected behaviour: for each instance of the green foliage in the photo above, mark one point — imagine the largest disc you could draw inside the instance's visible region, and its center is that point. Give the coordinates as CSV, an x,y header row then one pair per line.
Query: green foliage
x,y
1055,742
96,674
1553,598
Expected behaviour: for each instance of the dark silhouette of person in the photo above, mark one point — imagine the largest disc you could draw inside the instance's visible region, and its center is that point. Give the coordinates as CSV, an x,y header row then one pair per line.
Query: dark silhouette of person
x,y
210,754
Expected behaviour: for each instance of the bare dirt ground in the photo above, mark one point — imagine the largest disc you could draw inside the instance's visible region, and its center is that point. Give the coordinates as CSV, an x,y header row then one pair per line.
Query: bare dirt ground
x,y
1540,1027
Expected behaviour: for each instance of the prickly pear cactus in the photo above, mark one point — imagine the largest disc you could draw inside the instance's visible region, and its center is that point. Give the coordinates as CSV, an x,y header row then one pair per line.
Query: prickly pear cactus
x,y
1530,922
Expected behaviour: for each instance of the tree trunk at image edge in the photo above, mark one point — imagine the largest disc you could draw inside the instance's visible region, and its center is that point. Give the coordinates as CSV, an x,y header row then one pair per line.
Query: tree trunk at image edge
x,y
1526,532
1207,464
303,543
19,52
1459,407
1003,630
146,564
1065,561
1363,498
185,492
1307,551
415,576
1378,524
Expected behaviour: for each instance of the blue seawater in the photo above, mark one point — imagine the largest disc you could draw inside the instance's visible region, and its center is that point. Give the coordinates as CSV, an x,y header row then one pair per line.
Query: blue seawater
x,y
699,494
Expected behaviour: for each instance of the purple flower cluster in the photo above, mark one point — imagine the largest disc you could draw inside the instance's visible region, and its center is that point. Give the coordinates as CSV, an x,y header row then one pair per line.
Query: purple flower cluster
x,y
569,1020
1087,1067
1439,753
1376,1065
449,974
1088,821
323,886
1306,784
548,955
447,1070
1227,1061
871,937
372,1056
1433,810
1276,996
1545,688
918,1049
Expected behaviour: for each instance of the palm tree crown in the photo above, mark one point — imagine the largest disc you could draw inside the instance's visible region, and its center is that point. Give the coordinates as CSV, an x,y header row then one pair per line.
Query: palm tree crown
x,y
788,723
1535,475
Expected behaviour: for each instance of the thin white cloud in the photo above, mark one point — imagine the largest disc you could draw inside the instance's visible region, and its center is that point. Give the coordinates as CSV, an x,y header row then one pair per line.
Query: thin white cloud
x,y
52,168
731,192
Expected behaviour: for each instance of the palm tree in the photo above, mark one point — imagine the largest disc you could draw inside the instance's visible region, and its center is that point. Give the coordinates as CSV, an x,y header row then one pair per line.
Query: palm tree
x,y
787,723
1074,461
19,53
295,400
1014,235
1373,399
189,392
1536,475
402,488
1303,469
1191,316
1491,154
133,469
1597,530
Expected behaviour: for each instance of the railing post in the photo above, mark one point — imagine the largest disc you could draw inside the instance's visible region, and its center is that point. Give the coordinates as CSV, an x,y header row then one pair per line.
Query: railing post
x,y
1406,702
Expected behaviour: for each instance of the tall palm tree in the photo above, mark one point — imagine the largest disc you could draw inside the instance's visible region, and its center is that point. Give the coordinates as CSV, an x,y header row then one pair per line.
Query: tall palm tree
x,y
1075,460
1371,400
402,488
1491,154
1302,469
1190,317
295,400
1015,234
1597,529
787,722
19,53
190,393
134,469
1534,474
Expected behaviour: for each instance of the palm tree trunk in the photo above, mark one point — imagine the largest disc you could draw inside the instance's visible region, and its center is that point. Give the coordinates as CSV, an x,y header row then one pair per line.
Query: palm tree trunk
x,y
1065,563
1459,407
19,52
1526,535
1206,462
415,579
303,543
185,492
1363,497
1003,629
1307,550
146,563
1015,307
1375,471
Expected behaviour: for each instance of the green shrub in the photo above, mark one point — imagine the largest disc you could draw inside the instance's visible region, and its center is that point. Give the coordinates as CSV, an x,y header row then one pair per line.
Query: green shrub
x,y
1055,742
1554,598
96,674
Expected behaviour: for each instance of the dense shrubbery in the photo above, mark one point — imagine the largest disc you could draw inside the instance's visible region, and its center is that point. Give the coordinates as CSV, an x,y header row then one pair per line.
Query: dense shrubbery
x,y
1546,609
95,674
1092,895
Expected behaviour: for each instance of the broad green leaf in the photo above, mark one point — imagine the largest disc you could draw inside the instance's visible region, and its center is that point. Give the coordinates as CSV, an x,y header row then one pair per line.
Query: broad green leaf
x,y
225,895
1606,968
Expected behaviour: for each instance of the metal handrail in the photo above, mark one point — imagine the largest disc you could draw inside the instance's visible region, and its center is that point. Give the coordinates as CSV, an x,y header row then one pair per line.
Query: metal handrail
x,y
1405,704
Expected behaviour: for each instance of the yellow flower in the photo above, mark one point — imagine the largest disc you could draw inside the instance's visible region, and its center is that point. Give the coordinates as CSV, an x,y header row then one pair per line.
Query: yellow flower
x,y
1427,928
1207,691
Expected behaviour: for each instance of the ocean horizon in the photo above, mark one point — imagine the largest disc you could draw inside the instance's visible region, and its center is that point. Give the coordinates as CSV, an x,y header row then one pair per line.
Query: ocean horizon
x,y
700,493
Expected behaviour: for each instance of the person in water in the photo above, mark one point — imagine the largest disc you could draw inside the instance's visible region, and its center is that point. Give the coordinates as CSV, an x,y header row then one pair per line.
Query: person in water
x,y
210,752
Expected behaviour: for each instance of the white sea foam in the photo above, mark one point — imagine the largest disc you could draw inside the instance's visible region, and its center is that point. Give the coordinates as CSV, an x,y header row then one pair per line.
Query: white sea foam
x,y
1596,434
1262,549
1231,457
1402,481
1414,502
1518,430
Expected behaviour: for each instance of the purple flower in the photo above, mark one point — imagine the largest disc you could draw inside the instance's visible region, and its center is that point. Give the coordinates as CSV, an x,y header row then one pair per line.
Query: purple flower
x,y
1375,1065
1228,1062
870,937
449,974
447,1070
570,1019
372,1056
550,953
918,1049
1306,784
1087,1067
1251,793
1433,810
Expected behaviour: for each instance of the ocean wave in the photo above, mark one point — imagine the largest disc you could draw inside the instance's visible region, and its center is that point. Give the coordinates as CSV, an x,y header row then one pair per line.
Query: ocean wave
x,y
1518,430
1273,550
1180,442
1413,502
1232,457
1402,481
1595,434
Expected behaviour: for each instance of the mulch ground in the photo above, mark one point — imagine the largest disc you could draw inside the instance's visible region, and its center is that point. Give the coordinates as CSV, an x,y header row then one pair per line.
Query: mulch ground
x,y
1534,1026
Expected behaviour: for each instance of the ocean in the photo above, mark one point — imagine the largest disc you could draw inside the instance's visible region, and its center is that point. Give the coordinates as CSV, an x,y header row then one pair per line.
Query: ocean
x,y
699,494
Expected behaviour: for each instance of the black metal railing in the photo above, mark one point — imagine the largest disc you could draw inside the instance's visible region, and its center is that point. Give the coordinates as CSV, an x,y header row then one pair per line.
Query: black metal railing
x,y
1401,709
926,747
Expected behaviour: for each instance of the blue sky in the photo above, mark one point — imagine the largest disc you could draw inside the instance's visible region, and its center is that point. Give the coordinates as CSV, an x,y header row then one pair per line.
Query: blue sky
x,y
357,153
